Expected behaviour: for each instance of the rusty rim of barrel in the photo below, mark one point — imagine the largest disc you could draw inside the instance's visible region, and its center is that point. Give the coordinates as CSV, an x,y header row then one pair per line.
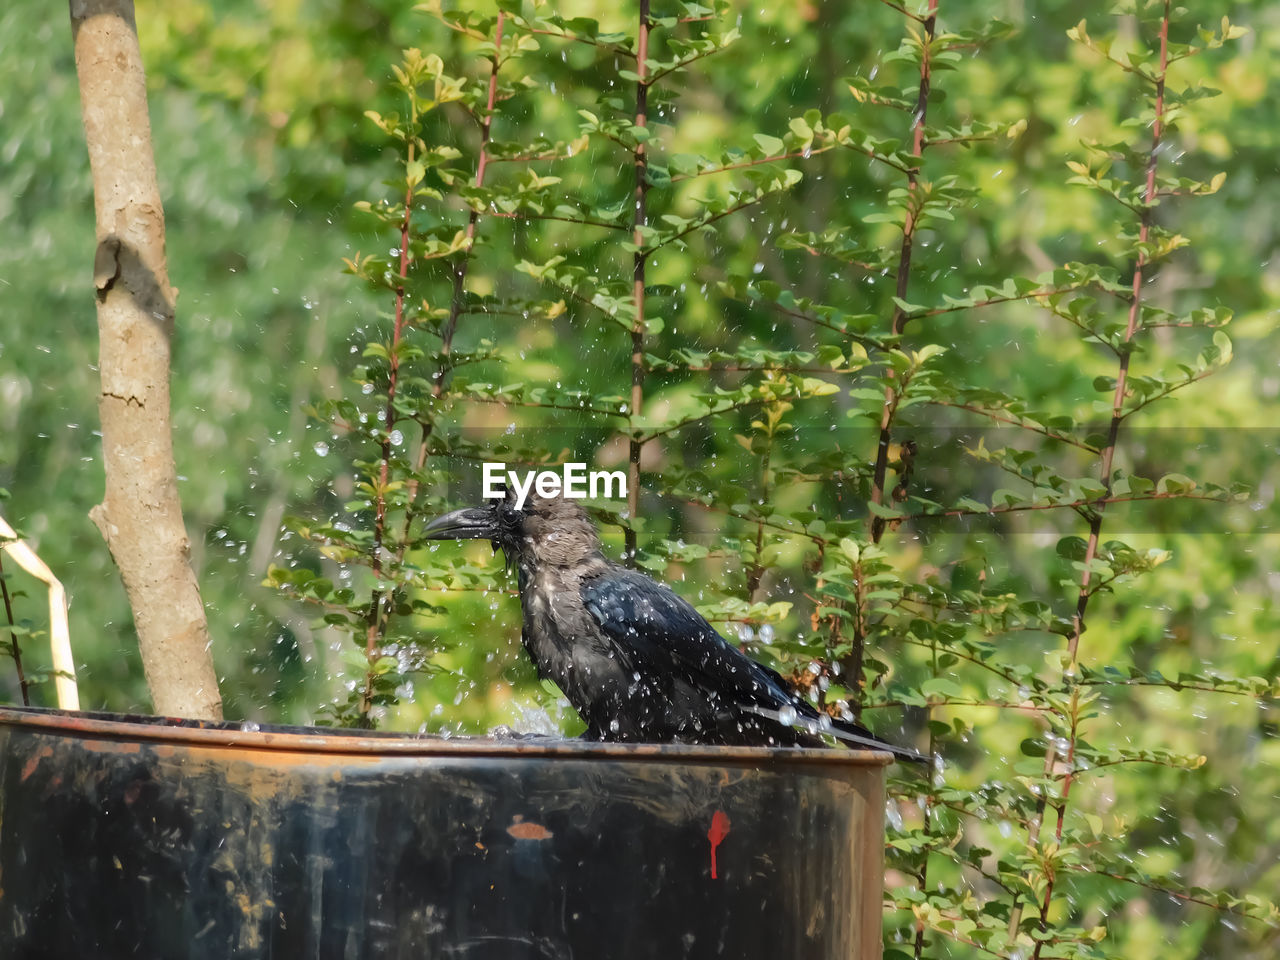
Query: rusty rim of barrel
x,y
171,730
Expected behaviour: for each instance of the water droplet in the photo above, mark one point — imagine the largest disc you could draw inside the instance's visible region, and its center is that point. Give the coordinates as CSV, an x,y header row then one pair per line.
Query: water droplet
x,y
893,815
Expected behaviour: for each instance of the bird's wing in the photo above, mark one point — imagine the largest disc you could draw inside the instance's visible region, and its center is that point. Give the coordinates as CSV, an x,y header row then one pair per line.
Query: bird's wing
x,y
660,628
664,629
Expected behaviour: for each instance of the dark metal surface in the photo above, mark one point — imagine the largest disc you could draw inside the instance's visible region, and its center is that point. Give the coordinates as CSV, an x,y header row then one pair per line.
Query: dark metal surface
x,y
124,837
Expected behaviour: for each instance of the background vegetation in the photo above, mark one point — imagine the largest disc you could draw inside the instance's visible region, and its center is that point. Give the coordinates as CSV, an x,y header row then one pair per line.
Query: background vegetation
x,y
1073,813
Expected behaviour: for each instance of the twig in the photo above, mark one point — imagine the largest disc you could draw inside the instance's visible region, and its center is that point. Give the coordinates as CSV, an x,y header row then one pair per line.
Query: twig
x,y
458,295
1108,457
891,394
542,216
639,260
14,650
802,154
574,38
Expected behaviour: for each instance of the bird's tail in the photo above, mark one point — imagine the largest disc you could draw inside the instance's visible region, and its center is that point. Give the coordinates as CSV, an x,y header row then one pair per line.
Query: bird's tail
x,y
850,733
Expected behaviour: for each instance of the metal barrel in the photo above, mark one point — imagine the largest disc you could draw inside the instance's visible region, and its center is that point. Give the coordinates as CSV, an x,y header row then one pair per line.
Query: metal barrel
x,y
146,837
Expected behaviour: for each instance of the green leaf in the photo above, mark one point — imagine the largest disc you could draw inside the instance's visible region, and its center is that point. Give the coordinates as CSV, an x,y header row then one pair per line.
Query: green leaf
x,y
850,549
884,512
770,145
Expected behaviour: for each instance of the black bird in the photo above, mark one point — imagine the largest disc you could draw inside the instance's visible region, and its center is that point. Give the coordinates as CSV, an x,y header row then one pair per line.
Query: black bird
x,y
635,659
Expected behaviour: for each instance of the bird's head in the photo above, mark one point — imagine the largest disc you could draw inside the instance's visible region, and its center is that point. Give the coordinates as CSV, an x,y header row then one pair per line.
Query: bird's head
x,y
551,531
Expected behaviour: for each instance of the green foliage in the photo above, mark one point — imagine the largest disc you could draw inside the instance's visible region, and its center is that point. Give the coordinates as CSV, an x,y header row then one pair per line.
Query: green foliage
x,y
882,630
875,425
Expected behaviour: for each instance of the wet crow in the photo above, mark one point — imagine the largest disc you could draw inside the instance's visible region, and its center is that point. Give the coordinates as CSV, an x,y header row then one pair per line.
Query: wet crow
x,y
635,659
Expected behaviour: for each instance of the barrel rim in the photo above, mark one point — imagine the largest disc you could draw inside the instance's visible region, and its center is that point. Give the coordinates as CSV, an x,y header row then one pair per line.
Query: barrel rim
x,y
327,740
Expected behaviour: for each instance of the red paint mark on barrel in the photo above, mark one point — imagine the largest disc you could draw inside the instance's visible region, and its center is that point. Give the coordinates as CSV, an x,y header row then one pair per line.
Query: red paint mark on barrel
x,y
522,830
719,830
33,761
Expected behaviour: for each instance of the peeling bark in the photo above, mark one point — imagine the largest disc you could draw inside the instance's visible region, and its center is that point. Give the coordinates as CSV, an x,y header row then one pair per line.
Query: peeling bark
x,y
140,516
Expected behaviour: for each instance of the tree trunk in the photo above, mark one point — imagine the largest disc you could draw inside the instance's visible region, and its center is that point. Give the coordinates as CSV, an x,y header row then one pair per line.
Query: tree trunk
x,y
140,516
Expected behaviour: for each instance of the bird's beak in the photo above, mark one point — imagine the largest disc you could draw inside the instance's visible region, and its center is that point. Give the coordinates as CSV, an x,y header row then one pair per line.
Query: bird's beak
x,y
470,523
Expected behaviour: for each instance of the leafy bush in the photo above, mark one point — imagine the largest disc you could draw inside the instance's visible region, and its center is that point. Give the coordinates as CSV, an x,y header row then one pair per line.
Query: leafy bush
x,y
836,441
894,317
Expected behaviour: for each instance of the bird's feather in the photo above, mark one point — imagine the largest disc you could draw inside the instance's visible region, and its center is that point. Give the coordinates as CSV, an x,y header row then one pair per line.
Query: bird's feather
x,y
662,629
